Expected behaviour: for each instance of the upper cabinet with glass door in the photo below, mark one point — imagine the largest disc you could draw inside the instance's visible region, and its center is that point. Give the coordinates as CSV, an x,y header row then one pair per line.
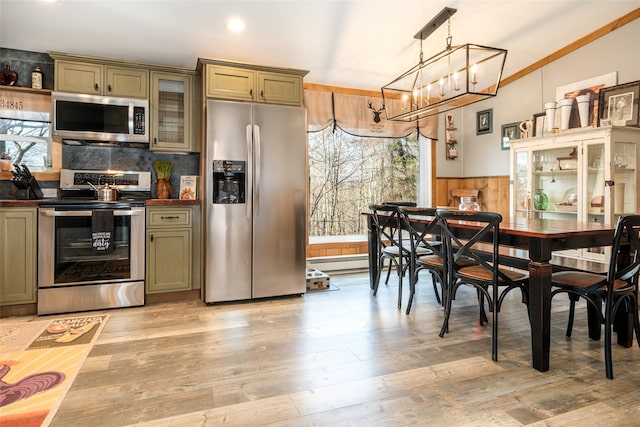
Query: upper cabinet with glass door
x,y
582,175
171,113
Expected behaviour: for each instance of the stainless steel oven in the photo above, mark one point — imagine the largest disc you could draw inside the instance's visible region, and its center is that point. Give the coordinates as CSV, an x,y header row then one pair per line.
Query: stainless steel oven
x,y
75,273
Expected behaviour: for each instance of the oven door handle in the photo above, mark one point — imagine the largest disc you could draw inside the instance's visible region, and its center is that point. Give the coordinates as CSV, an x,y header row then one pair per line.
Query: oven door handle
x,y
88,213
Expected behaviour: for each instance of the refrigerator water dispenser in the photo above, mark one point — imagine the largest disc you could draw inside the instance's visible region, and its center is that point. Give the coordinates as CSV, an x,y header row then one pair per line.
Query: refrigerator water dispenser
x,y
229,183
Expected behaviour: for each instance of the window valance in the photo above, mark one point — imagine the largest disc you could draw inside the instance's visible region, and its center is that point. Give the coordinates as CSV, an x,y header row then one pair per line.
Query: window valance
x,y
360,115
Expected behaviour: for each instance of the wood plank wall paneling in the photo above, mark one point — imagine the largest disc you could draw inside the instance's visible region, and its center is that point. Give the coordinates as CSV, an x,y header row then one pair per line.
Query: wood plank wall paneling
x,y
336,249
494,192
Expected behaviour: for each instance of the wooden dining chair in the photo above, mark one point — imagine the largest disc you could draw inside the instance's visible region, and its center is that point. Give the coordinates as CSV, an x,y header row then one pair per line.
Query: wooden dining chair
x,y
618,289
418,226
491,281
386,225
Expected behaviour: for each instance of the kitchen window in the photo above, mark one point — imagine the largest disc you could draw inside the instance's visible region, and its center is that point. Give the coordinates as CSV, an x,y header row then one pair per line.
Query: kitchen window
x,y
27,140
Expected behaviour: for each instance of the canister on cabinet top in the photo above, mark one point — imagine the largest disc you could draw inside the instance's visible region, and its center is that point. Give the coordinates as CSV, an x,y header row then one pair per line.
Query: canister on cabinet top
x,y
36,78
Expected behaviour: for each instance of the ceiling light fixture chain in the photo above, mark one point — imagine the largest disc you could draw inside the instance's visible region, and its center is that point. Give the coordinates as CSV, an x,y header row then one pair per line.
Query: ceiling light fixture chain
x,y
449,38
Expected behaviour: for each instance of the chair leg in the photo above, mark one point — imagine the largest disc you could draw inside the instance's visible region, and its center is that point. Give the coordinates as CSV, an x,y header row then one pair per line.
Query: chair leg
x,y
572,309
377,278
386,281
447,310
435,287
412,290
400,280
494,336
483,314
608,359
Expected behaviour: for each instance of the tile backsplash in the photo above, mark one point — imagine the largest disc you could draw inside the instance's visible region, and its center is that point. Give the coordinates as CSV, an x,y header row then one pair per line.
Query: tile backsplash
x,y
130,159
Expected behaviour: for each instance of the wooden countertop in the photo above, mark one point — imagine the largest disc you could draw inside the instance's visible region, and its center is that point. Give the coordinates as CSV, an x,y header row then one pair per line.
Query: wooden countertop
x,y
13,203
172,202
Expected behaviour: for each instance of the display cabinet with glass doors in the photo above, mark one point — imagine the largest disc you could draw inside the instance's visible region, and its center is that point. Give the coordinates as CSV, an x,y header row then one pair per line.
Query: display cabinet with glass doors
x,y
585,175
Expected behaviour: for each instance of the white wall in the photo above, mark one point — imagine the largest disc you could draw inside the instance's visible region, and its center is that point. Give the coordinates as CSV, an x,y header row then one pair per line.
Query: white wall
x,y
481,155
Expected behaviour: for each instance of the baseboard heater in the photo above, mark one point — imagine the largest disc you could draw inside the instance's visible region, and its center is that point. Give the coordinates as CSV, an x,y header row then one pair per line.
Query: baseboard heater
x,y
340,264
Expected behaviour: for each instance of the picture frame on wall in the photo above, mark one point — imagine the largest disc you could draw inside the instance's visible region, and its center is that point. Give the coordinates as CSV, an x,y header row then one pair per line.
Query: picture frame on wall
x,y
509,133
619,105
538,123
484,121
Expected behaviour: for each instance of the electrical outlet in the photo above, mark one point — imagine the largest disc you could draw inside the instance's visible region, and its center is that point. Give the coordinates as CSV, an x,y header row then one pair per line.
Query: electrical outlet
x,y
50,192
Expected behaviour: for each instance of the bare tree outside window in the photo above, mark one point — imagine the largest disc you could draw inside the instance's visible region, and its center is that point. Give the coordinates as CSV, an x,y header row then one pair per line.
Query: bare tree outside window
x,y
26,141
348,172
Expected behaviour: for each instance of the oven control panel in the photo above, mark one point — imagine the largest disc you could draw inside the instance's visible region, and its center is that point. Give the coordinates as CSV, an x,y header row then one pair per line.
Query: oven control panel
x,y
130,180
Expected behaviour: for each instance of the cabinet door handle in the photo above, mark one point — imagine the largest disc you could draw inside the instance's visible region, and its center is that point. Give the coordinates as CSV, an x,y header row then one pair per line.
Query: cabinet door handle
x,y
96,87
251,92
109,88
170,217
151,238
155,141
262,94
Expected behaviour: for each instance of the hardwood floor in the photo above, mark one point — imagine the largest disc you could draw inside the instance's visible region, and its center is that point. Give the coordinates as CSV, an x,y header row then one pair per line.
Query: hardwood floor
x,y
344,358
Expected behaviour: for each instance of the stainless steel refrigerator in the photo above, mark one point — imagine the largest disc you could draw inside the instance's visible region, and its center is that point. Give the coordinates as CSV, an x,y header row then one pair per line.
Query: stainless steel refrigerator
x,y
255,216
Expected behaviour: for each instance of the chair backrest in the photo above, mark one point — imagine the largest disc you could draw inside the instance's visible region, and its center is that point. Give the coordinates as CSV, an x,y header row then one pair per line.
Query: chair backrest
x,y
385,218
470,247
625,252
419,224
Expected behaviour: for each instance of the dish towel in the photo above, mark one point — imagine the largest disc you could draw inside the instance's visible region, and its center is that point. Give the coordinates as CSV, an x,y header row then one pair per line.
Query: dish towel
x,y
102,230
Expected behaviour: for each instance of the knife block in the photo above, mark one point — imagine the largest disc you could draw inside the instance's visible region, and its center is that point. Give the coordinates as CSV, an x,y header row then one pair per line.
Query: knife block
x,y
32,192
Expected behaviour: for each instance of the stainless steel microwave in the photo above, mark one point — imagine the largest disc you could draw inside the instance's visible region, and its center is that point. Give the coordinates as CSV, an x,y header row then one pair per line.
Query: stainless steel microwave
x,y
85,117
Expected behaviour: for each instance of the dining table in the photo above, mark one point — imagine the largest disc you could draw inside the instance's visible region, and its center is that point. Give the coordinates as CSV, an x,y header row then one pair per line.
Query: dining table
x,y
537,239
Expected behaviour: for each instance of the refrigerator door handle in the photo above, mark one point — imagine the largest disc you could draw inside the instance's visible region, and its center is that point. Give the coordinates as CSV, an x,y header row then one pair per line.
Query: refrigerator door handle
x,y
249,138
256,168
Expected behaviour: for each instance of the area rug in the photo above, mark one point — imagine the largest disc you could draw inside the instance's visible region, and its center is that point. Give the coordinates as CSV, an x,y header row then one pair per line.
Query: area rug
x,y
38,362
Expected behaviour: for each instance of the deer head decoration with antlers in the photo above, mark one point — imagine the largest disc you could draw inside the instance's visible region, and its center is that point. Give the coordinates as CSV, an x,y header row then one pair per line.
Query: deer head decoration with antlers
x,y
376,113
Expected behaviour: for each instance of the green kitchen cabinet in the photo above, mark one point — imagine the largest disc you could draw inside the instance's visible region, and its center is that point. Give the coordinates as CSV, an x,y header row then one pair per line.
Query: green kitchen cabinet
x,y
169,249
18,255
243,82
172,125
99,79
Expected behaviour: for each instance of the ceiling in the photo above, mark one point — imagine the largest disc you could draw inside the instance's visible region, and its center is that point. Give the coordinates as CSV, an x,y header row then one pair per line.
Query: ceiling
x,y
362,44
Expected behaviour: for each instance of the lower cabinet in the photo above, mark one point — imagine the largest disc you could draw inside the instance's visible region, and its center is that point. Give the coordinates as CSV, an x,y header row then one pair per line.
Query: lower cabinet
x,y
18,256
169,249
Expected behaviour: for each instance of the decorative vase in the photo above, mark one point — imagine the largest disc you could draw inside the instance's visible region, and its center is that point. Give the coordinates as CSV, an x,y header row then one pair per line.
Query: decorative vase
x,y
550,113
5,165
164,188
565,112
540,200
583,109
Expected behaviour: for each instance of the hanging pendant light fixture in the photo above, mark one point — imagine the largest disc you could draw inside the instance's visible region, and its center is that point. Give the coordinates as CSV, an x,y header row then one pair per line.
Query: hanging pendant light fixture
x,y
453,78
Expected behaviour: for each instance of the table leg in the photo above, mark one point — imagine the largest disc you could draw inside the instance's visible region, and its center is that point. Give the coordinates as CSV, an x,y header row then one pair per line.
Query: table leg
x,y
540,302
373,252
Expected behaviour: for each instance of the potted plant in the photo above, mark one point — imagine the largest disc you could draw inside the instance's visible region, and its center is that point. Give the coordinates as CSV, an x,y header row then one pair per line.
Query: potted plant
x,y
163,170
5,162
